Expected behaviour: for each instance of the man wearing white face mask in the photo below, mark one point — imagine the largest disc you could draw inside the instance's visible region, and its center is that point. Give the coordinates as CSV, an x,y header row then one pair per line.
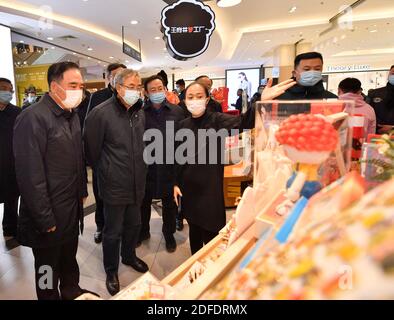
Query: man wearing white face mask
x,y
114,146
308,68
50,171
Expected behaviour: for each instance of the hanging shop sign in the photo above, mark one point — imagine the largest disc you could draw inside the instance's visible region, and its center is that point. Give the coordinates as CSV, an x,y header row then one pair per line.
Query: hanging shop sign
x,y
130,51
187,26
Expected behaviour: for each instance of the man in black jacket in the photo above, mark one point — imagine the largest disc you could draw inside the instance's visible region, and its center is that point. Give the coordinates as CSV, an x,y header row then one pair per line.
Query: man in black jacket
x,y
308,69
213,105
9,192
114,146
180,88
51,176
159,114
96,99
382,100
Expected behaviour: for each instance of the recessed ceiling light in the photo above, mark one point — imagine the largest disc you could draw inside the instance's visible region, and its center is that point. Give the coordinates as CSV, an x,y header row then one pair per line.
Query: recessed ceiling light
x,y
267,40
50,38
228,3
88,58
127,61
293,9
157,38
98,62
111,57
74,53
21,41
53,48
373,31
134,22
90,49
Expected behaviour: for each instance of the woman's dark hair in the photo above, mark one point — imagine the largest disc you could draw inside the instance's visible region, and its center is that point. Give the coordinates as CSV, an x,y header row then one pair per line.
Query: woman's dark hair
x,y
56,71
180,82
164,77
392,67
352,85
244,74
196,83
307,56
152,78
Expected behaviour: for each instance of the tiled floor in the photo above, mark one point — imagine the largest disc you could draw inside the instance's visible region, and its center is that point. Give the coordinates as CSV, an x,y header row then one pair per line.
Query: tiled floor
x,y
17,271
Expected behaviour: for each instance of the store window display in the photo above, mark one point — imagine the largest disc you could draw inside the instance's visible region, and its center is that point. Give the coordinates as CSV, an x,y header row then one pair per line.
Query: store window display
x,y
308,69
382,100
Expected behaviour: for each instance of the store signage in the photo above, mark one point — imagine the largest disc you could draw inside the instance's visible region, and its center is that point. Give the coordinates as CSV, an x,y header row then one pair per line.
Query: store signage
x,y
131,52
187,26
348,68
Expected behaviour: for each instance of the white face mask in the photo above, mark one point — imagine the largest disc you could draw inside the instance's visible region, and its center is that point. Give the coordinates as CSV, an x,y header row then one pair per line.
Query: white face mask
x,y
196,107
131,97
73,98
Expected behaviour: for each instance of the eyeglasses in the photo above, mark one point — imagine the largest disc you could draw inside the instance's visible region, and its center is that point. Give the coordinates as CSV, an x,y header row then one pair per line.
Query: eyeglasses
x,y
131,88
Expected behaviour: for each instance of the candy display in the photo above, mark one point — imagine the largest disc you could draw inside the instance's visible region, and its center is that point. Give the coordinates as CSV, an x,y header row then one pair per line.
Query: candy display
x,y
345,254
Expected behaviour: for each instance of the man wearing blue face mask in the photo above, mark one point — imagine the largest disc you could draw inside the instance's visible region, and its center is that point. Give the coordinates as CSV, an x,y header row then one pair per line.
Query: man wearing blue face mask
x,y
382,100
159,185
9,192
114,146
308,69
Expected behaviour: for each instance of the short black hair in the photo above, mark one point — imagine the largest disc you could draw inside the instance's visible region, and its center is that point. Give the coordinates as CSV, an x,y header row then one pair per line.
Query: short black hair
x,y
164,77
152,78
194,83
352,85
307,56
181,82
201,77
114,66
5,80
392,67
56,71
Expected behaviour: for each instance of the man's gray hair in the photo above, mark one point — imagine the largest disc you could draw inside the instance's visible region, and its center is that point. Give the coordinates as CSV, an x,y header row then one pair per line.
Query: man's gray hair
x,y
125,73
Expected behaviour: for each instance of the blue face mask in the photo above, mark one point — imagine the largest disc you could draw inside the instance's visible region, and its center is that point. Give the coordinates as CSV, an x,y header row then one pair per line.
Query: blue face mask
x,y
157,97
5,97
391,79
310,78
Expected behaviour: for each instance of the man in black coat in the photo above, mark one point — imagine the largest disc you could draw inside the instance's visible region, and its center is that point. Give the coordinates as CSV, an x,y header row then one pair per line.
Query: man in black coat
x,y
308,68
51,176
159,114
96,99
180,88
114,146
382,100
213,105
9,192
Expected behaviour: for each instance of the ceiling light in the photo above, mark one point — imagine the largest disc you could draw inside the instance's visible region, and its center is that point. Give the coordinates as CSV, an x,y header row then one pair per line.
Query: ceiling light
x,y
127,61
21,41
50,38
90,49
74,53
111,57
53,48
267,40
293,9
89,58
228,3
373,31
98,62
157,38
134,22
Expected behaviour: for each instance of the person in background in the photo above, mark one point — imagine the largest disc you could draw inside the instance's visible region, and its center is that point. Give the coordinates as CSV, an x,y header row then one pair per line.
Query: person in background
x,y
238,104
382,100
308,68
50,173
31,98
96,99
350,89
245,84
180,88
114,146
204,202
213,105
82,109
257,96
162,74
160,179
9,192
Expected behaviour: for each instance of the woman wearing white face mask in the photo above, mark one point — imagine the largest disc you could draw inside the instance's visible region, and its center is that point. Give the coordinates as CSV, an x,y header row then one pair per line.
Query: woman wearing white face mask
x,y
199,182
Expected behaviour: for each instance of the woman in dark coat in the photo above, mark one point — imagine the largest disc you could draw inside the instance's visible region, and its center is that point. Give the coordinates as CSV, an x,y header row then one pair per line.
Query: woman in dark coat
x,y
200,184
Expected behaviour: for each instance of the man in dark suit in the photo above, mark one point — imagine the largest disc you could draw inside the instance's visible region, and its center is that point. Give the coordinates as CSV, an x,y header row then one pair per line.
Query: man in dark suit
x,y
96,99
9,192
